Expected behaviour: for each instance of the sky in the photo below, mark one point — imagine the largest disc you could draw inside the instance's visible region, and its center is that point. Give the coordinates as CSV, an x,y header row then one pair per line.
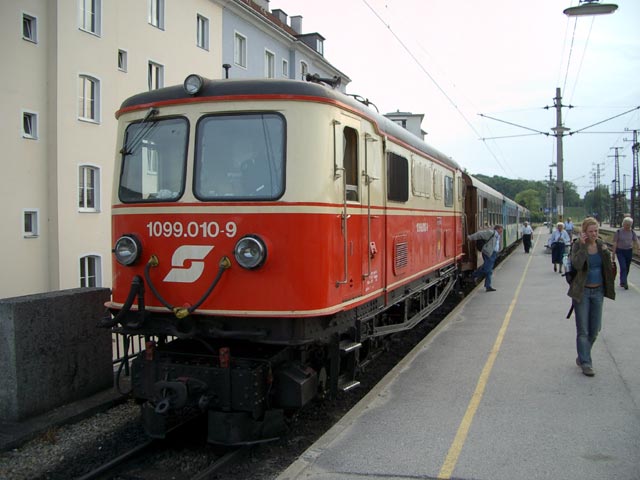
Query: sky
x,y
455,60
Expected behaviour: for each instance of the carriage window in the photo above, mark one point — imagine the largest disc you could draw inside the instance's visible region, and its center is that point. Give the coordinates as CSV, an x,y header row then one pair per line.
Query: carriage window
x,y
153,161
350,159
240,156
397,178
448,191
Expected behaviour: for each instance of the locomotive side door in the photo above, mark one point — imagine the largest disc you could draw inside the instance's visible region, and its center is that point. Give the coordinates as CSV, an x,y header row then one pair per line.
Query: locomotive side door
x,y
349,144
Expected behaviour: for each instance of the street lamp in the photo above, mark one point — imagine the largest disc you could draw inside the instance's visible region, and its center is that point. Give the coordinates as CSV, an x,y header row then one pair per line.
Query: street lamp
x,y
584,7
590,7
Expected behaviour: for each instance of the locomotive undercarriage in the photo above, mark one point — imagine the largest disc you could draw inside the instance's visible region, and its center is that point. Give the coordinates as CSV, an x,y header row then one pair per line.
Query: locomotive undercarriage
x,y
247,378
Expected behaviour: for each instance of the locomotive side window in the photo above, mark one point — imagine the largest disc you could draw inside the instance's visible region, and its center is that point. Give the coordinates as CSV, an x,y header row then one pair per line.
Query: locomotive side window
x,y
448,191
350,159
153,161
397,178
240,156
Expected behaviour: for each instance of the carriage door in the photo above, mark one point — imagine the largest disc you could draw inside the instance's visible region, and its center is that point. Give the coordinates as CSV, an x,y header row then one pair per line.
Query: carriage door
x,y
351,218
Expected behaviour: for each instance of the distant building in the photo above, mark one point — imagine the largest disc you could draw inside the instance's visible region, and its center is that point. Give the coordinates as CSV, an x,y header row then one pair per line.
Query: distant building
x,y
409,121
68,66
262,43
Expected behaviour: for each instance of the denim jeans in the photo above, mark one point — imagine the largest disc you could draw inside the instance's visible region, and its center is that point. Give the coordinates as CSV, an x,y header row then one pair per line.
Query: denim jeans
x,y
624,259
486,268
588,322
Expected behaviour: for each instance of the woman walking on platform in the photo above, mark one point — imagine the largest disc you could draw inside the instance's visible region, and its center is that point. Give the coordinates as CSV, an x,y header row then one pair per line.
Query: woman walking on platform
x,y
623,241
559,239
594,280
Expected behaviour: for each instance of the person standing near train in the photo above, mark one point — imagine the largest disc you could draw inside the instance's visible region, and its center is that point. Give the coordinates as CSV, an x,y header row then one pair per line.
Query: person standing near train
x,y
492,245
527,233
594,280
559,239
568,226
623,241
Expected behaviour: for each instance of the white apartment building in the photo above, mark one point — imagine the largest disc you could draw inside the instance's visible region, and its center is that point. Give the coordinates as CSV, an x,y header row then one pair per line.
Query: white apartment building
x,y
68,64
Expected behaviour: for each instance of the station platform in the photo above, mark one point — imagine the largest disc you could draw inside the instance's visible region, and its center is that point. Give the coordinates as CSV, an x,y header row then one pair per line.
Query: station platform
x,y
494,393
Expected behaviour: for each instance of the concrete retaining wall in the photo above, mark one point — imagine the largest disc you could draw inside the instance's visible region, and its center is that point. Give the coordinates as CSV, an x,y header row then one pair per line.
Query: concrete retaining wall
x,y
51,352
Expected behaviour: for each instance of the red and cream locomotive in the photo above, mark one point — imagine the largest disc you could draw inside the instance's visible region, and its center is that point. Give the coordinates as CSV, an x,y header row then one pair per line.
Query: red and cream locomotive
x,y
268,234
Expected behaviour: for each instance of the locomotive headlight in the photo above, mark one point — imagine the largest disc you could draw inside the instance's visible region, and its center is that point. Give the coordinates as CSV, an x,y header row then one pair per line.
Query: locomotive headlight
x,y
250,252
193,84
127,250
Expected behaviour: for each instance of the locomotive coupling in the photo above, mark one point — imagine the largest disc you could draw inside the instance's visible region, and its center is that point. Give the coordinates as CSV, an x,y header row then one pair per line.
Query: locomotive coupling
x,y
181,312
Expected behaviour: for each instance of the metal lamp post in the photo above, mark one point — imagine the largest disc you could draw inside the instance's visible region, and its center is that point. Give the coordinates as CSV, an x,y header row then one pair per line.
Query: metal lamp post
x,y
559,131
584,8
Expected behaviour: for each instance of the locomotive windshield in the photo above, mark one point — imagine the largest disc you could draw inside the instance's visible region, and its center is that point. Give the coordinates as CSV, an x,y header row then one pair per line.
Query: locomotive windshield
x,y
153,161
240,156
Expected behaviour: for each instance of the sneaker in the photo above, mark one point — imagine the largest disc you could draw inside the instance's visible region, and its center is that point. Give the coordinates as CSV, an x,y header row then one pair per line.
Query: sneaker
x,y
626,287
578,361
490,289
555,267
588,371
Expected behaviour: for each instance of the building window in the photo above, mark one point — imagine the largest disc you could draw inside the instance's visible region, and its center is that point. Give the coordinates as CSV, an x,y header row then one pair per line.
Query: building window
x,y
156,13
89,98
202,25
320,46
90,271
30,227
30,125
90,16
122,60
29,28
240,50
285,68
88,188
304,69
156,76
269,64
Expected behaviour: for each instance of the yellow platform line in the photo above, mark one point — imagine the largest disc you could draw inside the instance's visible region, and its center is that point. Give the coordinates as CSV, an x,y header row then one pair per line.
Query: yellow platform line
x,y
463,430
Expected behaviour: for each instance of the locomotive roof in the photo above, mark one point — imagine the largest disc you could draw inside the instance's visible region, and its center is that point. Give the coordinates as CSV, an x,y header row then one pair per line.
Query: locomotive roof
x,y
293,89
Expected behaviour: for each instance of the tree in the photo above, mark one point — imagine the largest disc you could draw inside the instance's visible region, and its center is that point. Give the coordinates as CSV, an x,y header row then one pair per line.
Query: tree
x,y
529,198
596,202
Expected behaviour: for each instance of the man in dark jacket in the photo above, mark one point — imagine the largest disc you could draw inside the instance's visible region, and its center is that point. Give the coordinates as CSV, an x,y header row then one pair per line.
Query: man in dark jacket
x,y
493,244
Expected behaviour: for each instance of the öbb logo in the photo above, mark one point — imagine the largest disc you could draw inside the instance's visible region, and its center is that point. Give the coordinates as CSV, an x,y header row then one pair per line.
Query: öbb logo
x,y
195,253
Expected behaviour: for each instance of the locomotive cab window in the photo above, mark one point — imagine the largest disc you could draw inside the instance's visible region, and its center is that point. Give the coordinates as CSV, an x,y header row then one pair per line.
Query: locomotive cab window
x,y
397,178
240,156
350,159
153,161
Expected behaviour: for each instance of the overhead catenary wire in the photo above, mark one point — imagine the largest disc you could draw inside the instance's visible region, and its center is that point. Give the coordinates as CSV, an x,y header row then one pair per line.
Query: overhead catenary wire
x,y
434,81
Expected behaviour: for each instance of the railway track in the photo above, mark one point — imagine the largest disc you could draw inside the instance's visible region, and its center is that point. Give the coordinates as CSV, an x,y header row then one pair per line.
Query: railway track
x,y
137,463
183,454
